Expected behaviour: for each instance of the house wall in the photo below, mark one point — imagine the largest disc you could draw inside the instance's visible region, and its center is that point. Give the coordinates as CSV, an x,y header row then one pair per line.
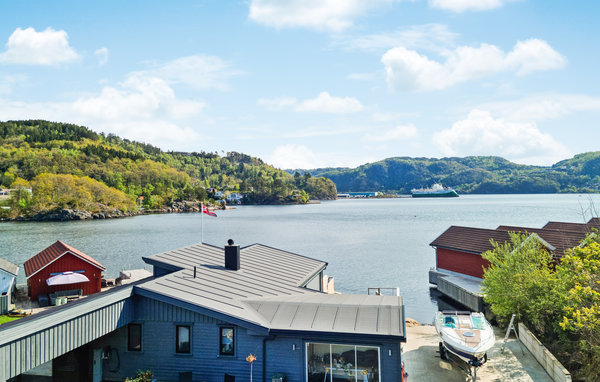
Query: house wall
x,y
67,262
30,342
462,262
6,280
281,358
158,321
158,354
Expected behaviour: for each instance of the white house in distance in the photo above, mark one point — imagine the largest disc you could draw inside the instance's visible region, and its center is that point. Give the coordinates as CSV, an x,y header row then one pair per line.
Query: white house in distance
x,y
8,274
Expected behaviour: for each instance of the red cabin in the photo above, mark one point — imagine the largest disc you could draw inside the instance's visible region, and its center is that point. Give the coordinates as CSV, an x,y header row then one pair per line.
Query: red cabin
x,y
55,261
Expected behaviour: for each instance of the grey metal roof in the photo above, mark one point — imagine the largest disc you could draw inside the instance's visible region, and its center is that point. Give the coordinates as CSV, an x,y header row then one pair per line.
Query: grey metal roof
x,y
339,313
264,272
9,267
267,291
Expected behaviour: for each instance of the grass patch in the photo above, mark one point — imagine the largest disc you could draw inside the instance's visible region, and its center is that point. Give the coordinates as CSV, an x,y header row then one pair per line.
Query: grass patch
x,y
4,319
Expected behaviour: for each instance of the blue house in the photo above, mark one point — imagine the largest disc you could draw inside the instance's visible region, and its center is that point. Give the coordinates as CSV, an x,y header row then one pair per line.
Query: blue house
x,y
8,274
205,310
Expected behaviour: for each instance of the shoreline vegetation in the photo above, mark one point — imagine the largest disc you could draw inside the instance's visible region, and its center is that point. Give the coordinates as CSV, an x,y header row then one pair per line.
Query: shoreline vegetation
x,y
53,169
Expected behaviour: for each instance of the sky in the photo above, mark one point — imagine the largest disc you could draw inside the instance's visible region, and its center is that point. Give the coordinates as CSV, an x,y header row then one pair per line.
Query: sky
x,y
313,83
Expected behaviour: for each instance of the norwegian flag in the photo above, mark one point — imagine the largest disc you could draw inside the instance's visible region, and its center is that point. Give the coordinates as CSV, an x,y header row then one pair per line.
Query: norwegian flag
x,y
209,213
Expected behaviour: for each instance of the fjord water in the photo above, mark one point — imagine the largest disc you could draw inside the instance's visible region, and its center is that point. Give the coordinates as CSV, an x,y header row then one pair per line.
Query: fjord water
x,y
367,242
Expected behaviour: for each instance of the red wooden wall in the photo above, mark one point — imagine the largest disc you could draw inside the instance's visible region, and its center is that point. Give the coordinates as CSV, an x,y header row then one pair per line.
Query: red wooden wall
x,y
67,262
461,262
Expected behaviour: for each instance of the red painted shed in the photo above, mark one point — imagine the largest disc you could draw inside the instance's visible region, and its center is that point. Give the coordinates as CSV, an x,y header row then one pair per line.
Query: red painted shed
x,y
459,249
58,258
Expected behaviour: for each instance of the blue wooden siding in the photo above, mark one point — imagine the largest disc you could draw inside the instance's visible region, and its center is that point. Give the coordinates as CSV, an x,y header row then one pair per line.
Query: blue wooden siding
x,y
30,343
159,319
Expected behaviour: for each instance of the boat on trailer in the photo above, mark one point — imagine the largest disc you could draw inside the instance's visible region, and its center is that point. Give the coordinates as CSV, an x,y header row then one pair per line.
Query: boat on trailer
x,y
465,335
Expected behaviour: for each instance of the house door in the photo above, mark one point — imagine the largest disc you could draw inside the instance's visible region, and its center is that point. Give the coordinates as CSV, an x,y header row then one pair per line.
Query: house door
x,y
97,366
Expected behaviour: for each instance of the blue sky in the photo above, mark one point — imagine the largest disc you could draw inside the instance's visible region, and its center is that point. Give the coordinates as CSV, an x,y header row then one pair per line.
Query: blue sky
x,y
312,83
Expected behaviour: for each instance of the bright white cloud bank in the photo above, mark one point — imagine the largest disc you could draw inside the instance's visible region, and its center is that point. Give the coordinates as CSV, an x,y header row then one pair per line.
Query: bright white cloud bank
x,y
323,103
408,70
481,134
334,15
49,47
467,5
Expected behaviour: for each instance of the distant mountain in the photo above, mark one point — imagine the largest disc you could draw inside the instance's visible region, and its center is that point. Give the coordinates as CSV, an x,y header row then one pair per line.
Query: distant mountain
x,y
473,174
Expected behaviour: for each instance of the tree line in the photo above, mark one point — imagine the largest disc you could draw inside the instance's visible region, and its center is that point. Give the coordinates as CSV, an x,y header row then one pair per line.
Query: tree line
x,y
33,150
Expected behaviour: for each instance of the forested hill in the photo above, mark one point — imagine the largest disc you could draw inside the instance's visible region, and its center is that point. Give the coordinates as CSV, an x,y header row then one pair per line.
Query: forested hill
x,y
475,174
70,166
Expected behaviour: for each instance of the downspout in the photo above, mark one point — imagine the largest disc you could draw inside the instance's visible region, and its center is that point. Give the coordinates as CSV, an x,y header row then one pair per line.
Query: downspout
x,y
270,337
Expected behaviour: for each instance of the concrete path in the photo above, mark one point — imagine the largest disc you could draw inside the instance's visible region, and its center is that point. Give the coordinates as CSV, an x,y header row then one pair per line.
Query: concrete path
x,y
423,363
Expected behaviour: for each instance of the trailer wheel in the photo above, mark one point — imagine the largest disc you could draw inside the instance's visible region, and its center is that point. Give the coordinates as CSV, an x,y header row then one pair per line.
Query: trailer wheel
x,y
443,354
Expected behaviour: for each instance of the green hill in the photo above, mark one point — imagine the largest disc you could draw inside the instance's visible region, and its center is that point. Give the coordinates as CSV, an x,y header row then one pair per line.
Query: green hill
x,y
105,172
474,174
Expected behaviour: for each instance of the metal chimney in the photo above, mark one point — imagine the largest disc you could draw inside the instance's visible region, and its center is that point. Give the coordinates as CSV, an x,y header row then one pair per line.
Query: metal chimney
x,y
232,256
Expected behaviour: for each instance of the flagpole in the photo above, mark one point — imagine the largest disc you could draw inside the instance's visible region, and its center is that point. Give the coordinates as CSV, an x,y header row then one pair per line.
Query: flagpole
x,y
202,222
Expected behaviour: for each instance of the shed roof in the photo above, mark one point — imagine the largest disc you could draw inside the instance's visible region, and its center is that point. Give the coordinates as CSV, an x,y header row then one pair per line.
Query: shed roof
x,y
560,240
269,281
469,239
593,223
9,267
51,254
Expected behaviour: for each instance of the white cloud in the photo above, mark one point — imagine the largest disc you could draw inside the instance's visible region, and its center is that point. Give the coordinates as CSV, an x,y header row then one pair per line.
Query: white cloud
x,y
424,37
533,55
325,103
102,56
543,106
293,156
400,132
141,108
197,71
277,103
467,5
408,70
49,47
481,134
333,15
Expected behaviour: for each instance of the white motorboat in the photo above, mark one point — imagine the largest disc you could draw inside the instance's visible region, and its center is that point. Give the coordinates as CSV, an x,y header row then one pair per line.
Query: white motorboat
x,y
467,335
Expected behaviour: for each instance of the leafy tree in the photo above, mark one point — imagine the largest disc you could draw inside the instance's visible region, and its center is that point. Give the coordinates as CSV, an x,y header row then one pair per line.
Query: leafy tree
x,y
578,275
517,280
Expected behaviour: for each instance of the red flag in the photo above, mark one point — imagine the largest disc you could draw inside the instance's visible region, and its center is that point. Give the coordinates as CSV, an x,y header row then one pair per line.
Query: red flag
x,y
209,213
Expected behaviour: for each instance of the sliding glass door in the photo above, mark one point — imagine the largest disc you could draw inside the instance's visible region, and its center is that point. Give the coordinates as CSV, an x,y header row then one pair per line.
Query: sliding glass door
x,y
341,363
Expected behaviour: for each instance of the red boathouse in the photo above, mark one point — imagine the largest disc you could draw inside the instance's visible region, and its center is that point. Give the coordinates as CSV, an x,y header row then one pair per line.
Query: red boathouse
x,y
459,249
54,261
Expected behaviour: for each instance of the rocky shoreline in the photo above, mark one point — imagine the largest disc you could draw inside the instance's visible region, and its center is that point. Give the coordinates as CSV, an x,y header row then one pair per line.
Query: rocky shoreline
x,y
68,214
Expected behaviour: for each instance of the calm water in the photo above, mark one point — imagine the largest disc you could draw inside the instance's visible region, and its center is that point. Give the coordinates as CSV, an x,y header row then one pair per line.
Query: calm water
x,y
367,243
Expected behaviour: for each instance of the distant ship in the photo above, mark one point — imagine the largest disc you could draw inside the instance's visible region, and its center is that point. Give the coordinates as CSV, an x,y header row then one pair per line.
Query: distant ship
x,y
436,191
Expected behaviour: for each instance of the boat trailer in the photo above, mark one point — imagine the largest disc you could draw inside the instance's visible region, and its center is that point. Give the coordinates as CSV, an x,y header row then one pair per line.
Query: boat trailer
x,y
470,368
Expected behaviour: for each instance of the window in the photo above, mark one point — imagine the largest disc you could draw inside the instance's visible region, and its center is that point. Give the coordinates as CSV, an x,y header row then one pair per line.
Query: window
x,y
227,341
182,339
333,362
134,337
